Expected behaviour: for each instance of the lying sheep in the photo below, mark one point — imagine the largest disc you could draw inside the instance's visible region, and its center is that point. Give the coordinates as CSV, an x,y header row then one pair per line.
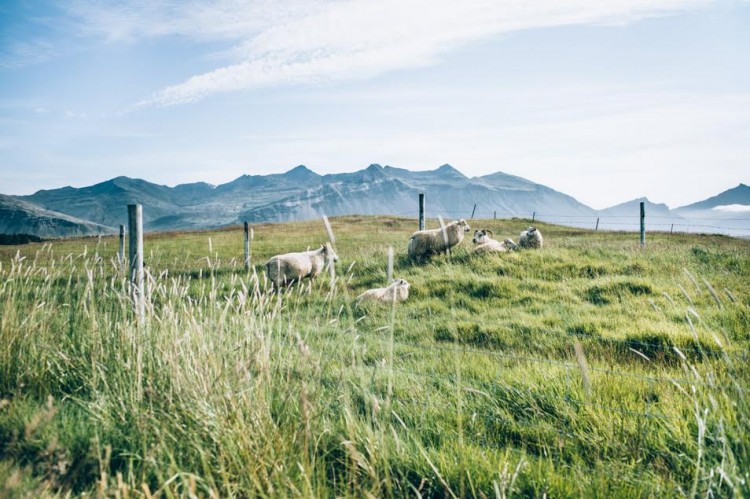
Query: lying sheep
x,y
425,243
292,267
398,290
485,244
531,238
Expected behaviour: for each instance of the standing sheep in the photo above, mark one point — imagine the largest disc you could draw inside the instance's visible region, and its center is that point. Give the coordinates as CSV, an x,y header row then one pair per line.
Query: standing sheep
x,y
398,290
531,238
425,243
485,244
292,267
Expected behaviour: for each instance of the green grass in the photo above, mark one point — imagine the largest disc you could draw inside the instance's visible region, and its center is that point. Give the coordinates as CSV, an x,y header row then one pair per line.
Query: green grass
x,y
472,387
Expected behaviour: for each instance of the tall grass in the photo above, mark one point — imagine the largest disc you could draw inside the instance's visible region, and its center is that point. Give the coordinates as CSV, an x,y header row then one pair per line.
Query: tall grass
x,y
472,387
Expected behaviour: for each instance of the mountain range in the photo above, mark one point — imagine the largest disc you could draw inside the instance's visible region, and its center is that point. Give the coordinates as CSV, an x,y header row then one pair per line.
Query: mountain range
x,y
301,194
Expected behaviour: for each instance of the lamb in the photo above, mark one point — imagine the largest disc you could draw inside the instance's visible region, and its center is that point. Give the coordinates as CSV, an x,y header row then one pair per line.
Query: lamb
x,y
531,238
485,244
292,267
425,243
398,290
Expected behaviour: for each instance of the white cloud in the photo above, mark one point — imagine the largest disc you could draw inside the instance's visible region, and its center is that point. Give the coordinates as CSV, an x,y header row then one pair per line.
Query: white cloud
x,y
283,41
733,208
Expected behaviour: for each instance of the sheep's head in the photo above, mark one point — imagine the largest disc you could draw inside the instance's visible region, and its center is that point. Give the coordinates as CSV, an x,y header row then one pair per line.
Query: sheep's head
x,y
481,236
329,253
531,230
462,223
401,283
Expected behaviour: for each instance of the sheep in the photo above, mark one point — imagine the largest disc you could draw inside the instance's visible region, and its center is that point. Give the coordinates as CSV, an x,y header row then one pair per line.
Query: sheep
x,y
485,244
291,267
425,243
531,238
398,290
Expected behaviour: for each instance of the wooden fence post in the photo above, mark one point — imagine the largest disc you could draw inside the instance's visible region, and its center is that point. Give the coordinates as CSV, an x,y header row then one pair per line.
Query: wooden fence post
x,y
643,224
247,246
671,229
121,252
421,211
494,216
473,211
533,216
597,224
135,252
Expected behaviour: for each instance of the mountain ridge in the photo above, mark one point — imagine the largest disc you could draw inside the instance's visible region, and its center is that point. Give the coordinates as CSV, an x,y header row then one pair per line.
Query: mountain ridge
x,y
22,217
301,193
736,195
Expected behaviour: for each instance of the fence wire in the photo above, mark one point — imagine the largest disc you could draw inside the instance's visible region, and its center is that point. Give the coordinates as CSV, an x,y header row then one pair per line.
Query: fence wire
x,y
600,222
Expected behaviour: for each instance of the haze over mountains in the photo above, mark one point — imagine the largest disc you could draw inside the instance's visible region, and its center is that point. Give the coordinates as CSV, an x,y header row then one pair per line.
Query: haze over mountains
x,y
301,194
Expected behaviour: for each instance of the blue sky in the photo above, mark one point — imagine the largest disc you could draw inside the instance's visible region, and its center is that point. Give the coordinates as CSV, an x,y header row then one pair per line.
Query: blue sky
x,y
606,101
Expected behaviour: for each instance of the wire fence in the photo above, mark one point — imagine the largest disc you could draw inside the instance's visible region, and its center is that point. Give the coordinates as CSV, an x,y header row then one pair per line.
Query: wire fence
x,y
628,223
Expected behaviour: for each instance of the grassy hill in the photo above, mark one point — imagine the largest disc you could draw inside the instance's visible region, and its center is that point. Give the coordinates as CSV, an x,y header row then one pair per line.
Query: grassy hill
x,y
592,367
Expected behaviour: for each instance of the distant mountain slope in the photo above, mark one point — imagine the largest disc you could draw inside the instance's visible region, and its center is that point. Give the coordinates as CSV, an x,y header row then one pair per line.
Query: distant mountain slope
x,y
22,217
106,202
303,194
739,195
340,197
632,209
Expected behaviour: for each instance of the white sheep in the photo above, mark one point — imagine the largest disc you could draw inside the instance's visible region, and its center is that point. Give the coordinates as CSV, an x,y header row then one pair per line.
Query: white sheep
x,y
485,244
531,238
425,243
398,290
292,267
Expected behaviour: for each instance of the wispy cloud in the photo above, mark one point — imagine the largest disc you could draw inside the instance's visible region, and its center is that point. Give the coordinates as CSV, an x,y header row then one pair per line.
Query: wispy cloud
x,y
282,42
22,53
130,20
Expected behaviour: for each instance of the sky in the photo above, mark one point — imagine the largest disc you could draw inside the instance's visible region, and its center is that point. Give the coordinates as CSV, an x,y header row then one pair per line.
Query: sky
x,y
605,100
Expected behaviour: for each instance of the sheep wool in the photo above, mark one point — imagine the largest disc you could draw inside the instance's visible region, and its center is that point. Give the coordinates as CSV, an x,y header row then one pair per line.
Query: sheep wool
x,y
399,287
531,238
292,267
485,244
425,243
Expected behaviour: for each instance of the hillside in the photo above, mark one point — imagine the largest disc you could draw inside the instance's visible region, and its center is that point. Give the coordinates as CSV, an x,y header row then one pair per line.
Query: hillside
x,y
106,203
472,387
21,217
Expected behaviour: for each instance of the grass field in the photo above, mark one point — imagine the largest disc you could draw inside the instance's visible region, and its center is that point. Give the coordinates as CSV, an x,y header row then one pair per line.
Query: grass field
x,y
592,367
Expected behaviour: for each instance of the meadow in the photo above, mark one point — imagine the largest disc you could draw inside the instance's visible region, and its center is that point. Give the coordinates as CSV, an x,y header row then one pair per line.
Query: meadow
x,y
592,367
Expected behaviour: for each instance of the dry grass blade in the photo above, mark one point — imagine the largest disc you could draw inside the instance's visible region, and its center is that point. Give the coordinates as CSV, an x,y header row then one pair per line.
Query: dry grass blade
x,y
389,275
583,367
712,291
